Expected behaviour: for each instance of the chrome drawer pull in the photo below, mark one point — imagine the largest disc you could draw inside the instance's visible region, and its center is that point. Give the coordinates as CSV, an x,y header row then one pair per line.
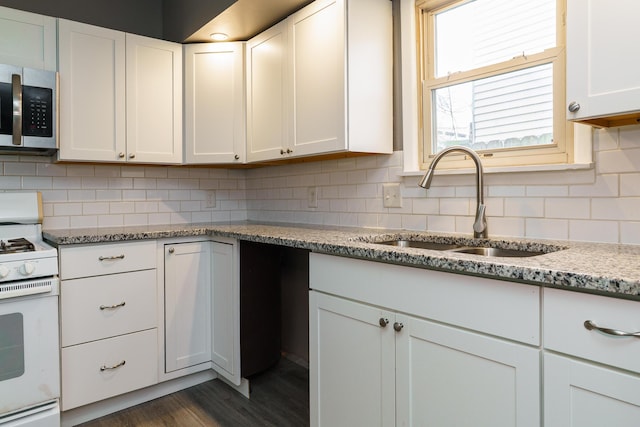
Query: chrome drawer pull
x,y
110,258
588,324
111,307
108,368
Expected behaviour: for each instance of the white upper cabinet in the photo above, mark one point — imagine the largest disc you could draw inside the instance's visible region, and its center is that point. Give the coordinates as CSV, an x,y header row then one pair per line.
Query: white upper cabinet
x,y
267,85
27,39
320,82
92,92
341,54
603,74
120,96
214,101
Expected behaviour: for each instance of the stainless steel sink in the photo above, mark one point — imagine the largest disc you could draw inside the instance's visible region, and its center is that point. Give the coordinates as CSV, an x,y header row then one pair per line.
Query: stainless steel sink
x,y
496,252
463,249
420,244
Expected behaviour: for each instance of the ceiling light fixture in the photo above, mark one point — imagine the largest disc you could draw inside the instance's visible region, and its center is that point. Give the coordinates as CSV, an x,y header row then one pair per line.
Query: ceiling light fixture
x,y
218,37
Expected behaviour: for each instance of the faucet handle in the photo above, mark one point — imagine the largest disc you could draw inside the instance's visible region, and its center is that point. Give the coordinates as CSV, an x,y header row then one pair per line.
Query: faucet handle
x,y
480,223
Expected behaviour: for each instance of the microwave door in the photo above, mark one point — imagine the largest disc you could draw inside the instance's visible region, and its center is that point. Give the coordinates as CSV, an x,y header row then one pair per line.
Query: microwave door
x,y
9,105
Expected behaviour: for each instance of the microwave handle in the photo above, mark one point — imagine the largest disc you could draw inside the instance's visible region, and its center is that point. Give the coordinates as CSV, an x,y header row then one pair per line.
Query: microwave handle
x,y
16,88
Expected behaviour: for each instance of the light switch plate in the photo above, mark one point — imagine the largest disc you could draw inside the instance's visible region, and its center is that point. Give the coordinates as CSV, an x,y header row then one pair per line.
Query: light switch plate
x,y
391,197
210,202
312,197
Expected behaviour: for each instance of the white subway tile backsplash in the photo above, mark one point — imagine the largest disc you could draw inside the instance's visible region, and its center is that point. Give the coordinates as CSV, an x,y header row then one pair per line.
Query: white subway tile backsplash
x,y
620,209
576,208
618,161
630,233
594,231
524,207
599,204
629,184
538,228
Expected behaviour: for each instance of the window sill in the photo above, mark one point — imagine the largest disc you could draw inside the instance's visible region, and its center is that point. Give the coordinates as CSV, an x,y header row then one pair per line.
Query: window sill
x,y
507,169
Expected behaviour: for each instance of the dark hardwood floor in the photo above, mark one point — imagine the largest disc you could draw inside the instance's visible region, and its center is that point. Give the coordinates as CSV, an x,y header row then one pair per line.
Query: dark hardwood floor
x,y
279,397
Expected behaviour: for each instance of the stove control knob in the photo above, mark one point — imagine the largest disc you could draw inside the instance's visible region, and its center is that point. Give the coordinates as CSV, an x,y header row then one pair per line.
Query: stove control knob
x,y
27,269
4,271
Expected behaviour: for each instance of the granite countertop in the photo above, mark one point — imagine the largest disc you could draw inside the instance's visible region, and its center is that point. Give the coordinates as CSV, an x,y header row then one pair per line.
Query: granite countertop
x,y
607,269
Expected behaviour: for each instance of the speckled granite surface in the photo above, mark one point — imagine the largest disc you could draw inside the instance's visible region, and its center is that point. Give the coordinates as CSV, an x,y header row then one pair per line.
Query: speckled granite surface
x,y
607,269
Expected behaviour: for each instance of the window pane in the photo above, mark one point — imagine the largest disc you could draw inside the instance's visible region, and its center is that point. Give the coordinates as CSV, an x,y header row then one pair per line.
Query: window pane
x,y
484,32
508,110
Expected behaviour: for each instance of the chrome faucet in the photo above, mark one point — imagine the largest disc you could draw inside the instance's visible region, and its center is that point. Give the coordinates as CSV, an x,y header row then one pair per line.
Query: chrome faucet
x,y
480,223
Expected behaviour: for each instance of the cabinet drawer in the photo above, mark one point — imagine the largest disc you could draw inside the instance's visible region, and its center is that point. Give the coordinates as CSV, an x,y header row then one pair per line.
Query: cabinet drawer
x,y
85,379
565,314
93,308
95,260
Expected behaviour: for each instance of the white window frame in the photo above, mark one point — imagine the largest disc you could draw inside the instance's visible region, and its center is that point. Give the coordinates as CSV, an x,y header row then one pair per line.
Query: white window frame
x,y
411,85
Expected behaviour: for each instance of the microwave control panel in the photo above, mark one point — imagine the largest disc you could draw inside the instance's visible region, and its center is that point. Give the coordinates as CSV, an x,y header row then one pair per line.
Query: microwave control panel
x,y
37,111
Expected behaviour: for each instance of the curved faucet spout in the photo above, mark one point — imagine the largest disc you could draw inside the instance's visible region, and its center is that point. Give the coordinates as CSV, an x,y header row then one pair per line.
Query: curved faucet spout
x,y
480,223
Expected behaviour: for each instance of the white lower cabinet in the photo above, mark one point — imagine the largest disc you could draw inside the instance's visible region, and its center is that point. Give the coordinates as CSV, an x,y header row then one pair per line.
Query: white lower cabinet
x,y
108,321
352,362
591,376
582,394
447,376
380,356
201,308
187,304
109,367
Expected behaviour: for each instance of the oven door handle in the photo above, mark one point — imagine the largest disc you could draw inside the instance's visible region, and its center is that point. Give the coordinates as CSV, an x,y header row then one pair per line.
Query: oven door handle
x,y
16,89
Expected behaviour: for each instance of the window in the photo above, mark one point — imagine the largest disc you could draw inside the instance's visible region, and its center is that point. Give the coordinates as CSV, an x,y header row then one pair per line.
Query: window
x,y
493,74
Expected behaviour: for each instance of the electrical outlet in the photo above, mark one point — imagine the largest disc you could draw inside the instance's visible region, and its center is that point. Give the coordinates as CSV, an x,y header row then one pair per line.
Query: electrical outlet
x,y
312,197
391,197
210,201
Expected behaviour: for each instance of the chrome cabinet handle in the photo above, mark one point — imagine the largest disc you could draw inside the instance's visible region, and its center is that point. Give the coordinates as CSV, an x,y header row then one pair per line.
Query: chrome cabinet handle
x,y
132,155
121,155
588,324
116,366
16,92
111,307
383,322
110,258
574,106
171,250
397,326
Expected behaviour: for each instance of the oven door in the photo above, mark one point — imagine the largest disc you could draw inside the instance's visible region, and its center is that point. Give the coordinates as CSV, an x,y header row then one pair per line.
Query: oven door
x,y
29,352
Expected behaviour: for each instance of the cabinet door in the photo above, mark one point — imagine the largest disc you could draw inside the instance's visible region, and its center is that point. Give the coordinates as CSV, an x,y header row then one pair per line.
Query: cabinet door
x,y
214,103
580,394
225,312
27,39
451,377
352,363
92,90
154,100
317,46
603,74
267,94
187,305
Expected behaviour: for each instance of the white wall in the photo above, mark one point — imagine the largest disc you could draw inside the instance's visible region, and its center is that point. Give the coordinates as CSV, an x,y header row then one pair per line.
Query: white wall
x,y
601,205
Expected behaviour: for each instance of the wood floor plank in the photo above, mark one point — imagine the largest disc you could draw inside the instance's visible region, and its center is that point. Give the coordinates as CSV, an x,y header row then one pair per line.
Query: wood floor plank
x,y
279,397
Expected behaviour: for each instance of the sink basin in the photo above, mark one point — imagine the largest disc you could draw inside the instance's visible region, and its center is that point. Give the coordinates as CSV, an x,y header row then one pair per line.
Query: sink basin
x,y
496,252
465,248
420,244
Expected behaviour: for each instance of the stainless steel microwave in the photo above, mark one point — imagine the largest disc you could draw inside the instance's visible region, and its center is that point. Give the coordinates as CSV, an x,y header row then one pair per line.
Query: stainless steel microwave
x,y
28,111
